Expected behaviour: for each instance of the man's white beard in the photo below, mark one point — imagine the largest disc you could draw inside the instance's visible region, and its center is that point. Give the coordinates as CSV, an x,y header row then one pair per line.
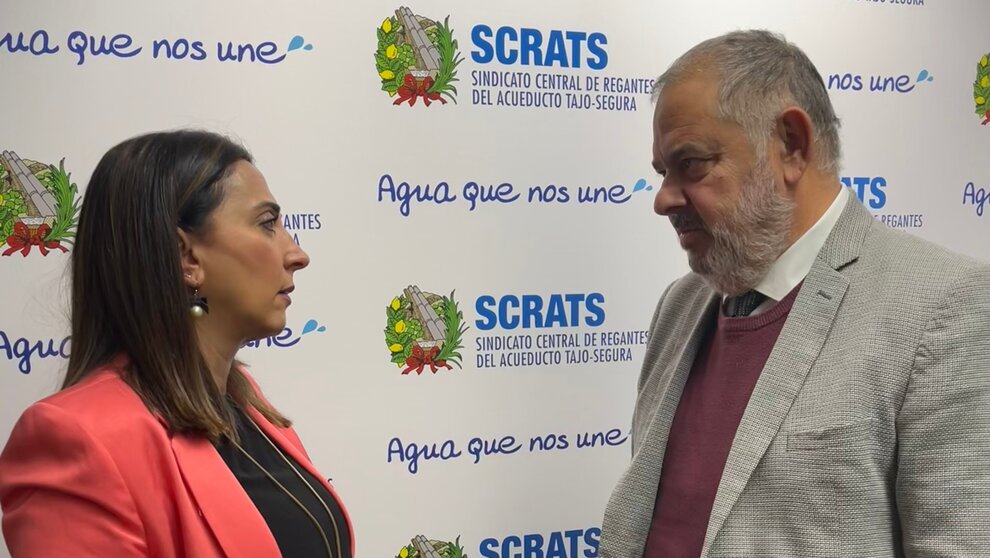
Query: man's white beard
x,y
747,241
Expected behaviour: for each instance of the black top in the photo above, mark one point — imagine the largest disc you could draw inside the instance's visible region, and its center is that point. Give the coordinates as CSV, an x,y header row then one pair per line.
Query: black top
x,y
294,532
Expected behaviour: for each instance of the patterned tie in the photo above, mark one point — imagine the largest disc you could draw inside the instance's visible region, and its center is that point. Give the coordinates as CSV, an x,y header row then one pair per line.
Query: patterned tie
x,y
744,304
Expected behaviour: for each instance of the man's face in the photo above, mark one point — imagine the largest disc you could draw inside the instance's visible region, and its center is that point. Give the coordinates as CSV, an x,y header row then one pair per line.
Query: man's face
x,y
725,201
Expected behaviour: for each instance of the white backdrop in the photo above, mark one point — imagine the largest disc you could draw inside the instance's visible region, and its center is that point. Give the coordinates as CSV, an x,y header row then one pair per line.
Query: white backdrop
x,y
325,134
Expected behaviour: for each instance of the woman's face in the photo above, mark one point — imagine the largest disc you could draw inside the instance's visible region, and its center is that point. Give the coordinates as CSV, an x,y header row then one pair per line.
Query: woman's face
x,y
245,260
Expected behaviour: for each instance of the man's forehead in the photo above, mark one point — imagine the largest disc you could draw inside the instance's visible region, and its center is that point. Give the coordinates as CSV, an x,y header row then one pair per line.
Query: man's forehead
x,y
687,98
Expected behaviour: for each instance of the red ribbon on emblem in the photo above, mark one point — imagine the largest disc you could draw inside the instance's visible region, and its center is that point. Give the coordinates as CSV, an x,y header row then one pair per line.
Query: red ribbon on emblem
x,y
411,89
23,239
419,359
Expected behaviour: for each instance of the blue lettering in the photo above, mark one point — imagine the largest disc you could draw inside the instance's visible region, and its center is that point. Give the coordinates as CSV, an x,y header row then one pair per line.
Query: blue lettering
x,y
866,184
38,45
975,196
503,193
266,50
81,44
557,544
413,453
530,42
572,537
576,38
478,447
845,82
526,47
596,43
532,316
479,36
879,196
532,311
508,543
615,194
549,193
24,350
404,193
487,548
488,319
556,313
261,53
534,545
613,437
503,52
592,303
591,539
508,321
179,50
556,51
902,84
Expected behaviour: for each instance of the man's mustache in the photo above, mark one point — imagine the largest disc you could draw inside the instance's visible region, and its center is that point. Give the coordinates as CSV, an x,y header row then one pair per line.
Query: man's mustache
x,y
687,222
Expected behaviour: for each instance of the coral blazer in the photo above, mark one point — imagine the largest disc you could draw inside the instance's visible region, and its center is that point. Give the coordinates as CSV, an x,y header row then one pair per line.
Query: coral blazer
x,y
91,472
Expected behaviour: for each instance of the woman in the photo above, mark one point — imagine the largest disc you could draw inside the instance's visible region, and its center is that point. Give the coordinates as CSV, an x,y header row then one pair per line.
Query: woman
x,y
159,443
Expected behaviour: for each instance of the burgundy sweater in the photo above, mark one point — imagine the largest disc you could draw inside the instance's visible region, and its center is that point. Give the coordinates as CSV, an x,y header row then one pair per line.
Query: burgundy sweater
x,y
715,395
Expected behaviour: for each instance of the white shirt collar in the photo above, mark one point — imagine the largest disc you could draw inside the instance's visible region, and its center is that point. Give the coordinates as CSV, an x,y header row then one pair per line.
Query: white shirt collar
x,y
794,264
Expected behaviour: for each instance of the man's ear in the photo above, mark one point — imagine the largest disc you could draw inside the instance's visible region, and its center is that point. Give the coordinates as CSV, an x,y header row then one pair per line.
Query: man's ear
x,y
192,269
796,136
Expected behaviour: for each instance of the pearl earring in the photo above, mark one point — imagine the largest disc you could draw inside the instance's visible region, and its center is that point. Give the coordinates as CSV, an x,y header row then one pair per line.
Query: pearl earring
x,y
198,306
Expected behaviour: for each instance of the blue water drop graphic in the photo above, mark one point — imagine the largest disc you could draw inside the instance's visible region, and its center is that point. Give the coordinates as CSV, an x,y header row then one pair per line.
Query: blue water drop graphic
x,y
322,329
296,43
308,47
640,185
309,327
923,75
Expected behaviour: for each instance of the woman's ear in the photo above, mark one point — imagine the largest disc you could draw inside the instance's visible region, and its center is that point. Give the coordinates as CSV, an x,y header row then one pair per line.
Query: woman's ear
x,y
192,270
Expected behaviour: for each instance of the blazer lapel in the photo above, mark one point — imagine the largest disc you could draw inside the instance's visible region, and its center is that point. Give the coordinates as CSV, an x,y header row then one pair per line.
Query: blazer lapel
x,y
800,342
294,452
638,486
235,521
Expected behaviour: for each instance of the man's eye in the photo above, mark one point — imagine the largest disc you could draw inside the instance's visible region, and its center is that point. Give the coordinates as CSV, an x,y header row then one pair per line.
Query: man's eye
x,y
690,163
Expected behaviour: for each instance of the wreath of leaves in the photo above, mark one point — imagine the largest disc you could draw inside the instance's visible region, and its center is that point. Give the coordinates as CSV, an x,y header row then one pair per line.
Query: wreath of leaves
x,y
981,87
442,37
392,64
402,330
394,57
66,193
12,206
444,549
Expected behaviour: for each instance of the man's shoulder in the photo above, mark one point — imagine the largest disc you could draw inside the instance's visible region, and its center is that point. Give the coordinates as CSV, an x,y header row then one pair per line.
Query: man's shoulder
x,y
914,262
681,305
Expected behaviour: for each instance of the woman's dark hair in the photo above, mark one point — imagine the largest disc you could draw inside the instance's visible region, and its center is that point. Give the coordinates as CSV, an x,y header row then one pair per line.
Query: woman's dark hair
x,y
128,294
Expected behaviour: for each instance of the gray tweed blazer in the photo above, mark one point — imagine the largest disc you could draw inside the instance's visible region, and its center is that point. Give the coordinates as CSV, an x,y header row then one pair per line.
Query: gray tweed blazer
x,y
868,432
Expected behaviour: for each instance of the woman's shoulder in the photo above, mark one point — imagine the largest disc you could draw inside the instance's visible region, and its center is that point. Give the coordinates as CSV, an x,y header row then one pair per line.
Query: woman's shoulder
x,y
100,402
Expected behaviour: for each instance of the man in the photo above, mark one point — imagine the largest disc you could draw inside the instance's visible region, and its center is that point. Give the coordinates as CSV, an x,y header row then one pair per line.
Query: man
x,y
819,385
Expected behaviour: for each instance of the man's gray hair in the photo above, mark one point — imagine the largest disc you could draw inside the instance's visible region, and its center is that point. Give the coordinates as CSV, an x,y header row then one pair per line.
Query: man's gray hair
x,y
761,74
